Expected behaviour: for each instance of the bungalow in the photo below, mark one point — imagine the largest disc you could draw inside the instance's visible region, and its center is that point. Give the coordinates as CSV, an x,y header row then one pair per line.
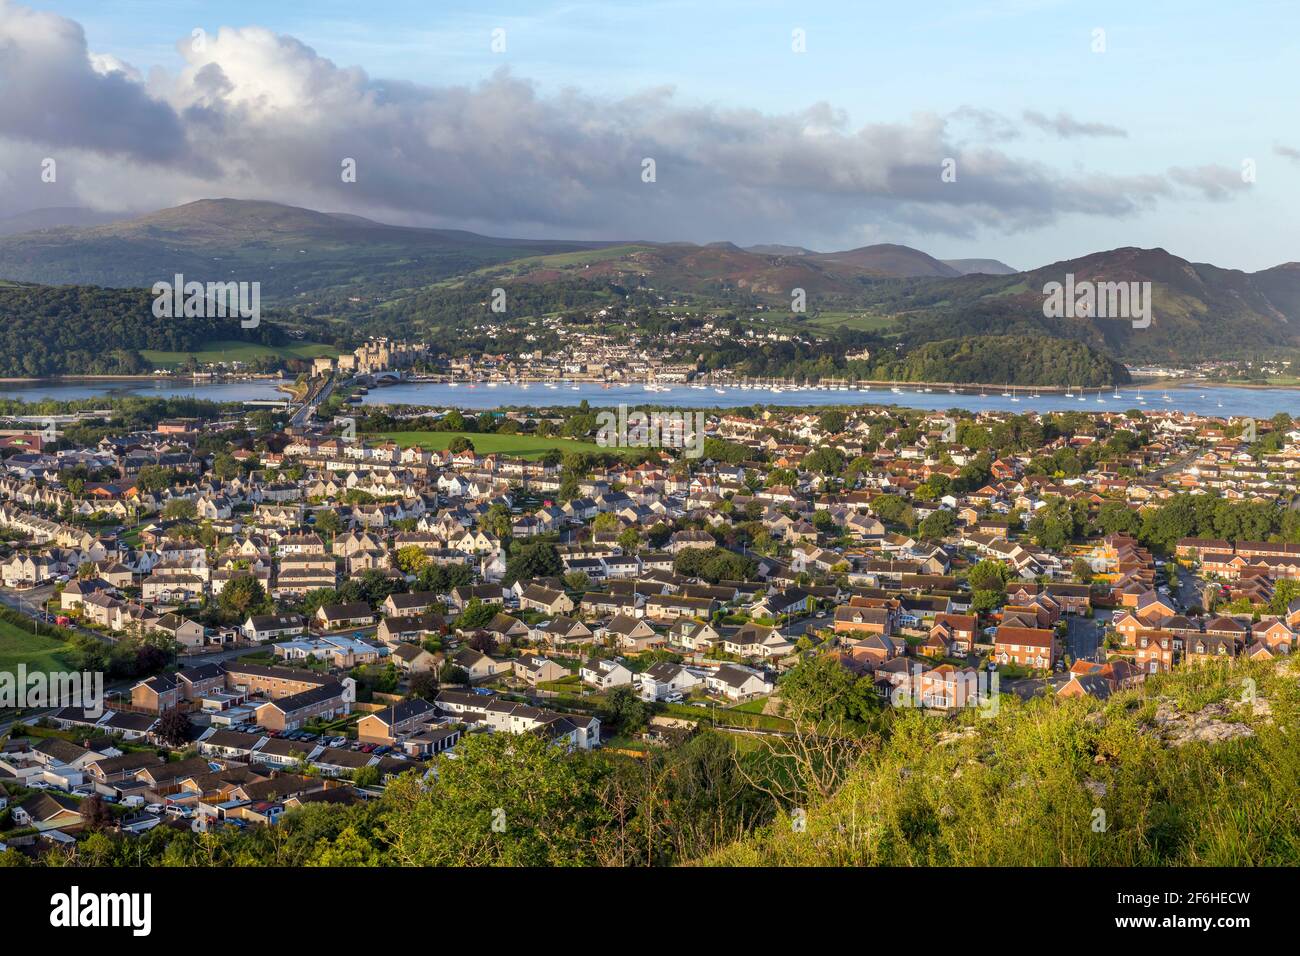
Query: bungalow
x,y
548,601
333,617
47,811
789,602
413,659
533,669
757,641
413,628
665,679
409,605
561,631
631,634
737,682
857,622
477,665
605,673
269,627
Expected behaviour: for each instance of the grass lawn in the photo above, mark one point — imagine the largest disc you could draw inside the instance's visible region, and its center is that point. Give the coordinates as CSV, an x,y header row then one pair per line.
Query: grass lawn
x,y
861,321
234,351
518,446
19,646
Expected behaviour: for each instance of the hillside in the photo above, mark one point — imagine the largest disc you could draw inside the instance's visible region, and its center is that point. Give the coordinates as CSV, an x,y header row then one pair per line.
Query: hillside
x,y
991,267
1199,311
345,268
288,249
80,330
54,217
1183,772
887,259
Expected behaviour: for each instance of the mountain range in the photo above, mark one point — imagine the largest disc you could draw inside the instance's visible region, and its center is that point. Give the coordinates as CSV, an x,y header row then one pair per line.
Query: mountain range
x,y
1199,310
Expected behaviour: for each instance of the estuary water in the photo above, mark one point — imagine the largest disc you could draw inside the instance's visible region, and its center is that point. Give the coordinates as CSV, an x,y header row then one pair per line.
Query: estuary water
x,y
69,389
1204,400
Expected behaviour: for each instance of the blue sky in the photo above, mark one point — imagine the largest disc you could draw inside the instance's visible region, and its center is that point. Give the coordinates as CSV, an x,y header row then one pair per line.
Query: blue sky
x,y
1192,85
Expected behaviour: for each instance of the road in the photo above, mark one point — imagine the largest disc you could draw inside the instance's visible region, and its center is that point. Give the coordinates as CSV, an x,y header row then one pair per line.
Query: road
x,y
1189,589
32,600
315,397
1082,637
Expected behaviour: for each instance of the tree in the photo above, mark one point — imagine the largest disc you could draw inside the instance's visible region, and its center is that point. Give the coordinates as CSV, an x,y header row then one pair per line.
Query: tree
x,y
449,673
825,461
225,467
241,596
627,713
485,642
411,559
179,509
328,521
937,525
538,559
174,727
476,614
821,689
988,575
460,444
1285,591
152,479
95,813
1082,571
425,684
365,776
832,421
509,800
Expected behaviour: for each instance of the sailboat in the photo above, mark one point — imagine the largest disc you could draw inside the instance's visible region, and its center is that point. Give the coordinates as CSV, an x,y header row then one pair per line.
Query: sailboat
x,y
1014,396
1069,391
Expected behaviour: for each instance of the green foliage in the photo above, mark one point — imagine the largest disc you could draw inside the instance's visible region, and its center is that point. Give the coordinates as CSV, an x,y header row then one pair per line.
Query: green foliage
x,y
714,564
537,559
820,689
1022,788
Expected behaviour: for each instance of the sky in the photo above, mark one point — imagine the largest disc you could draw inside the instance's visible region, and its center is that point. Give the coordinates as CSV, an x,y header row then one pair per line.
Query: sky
x,y
1063,128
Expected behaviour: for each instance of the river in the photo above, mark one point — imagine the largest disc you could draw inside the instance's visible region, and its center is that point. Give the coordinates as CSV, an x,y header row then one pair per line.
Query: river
x,y
1205,400
1218,400
70,389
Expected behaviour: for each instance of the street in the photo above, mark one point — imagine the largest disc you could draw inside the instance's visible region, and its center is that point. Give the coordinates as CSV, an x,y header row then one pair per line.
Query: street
x,y
1083,637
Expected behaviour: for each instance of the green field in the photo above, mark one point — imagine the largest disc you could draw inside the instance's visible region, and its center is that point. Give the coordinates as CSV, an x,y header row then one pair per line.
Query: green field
x,y
519,446
562,260
233,351
861,321
38,652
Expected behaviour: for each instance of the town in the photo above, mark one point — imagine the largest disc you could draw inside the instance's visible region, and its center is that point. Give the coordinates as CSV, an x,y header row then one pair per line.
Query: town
x,y
306,613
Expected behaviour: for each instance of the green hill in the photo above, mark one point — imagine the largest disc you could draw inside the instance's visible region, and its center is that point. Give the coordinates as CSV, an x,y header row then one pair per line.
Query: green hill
x,y
1182,771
